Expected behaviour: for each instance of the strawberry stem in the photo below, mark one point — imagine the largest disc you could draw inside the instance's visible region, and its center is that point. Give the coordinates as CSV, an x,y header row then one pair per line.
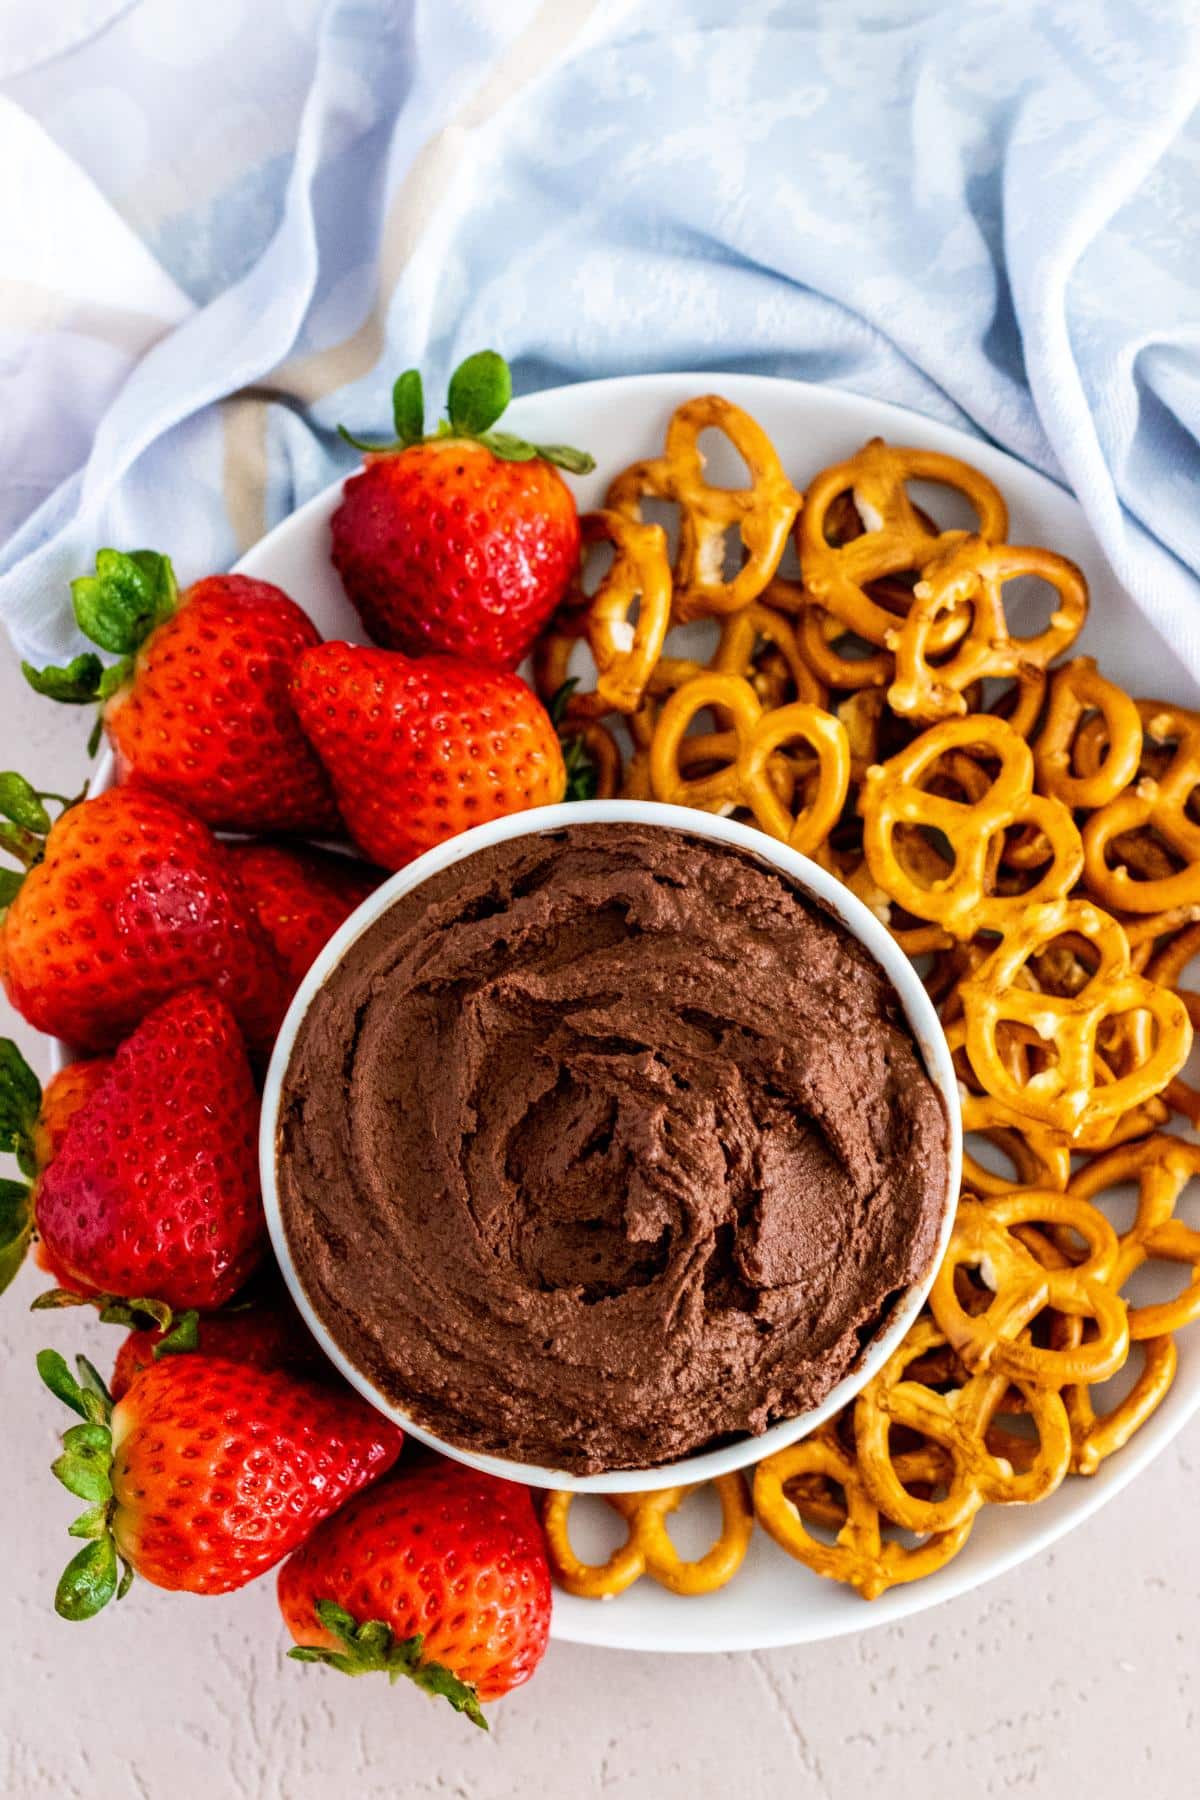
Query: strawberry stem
x,y
24,826
479,392
113,1309
20,1100
91,1579
373,1648
581,770
16,1228
118,607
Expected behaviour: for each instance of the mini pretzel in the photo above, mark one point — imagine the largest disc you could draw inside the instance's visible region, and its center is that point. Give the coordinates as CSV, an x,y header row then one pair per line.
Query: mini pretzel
x,y
1166,966
1097,1435
972,573
642,723
742,634
957,1423
1076,691
640,575
961,900
745,781
895,540
819,634
745,638
1023,1286
1040,1157
816,1499
648,1549
1071,1093
914,940
1155,804
1037,1159
604,753
1020,706
1162,1167
551,663
763,512
861,1557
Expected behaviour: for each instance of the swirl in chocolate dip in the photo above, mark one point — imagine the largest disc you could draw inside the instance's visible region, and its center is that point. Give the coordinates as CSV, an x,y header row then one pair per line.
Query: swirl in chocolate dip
x,y
606,1144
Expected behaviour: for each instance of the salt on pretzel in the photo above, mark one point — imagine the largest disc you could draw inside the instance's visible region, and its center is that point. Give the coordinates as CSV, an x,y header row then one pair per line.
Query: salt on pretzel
x,y
896,539
648,1549
861,1557
972,573
1155,804
762,512
745,779
1079,691
958,1424
896,795
1073,1092
985,1239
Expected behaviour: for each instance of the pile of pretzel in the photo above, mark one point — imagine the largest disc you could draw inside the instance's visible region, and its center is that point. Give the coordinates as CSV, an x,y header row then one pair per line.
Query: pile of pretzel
x,y
1031,835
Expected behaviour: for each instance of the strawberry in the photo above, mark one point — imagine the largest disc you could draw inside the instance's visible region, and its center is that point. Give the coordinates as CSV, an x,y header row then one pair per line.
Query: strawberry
x,y
62,1098
127,899
266,1337
420,750
197,708
439,1574
64,1094
464,542
33,1125
206,1473
154,1187
300,897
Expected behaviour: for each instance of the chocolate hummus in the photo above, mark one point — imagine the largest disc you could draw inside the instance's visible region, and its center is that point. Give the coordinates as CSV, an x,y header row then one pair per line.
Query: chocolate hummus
x,y
606,1144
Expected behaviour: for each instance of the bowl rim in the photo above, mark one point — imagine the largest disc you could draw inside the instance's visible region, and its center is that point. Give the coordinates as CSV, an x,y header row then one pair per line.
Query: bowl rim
x,y
858,920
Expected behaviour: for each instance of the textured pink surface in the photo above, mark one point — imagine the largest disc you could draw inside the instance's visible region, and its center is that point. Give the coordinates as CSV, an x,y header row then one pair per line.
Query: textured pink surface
x,y
1075,1674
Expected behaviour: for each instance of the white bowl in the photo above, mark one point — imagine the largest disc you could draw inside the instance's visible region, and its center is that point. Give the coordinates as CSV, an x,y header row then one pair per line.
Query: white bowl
x,y
862,924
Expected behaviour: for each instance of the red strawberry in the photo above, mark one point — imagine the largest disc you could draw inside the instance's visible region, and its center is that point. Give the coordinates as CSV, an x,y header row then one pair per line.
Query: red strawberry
x,y
198,706
463,542
128,899
300,897
154,1188
62,1098
33,1125
206,1473
64,1094
439,1574
265,1337
420,750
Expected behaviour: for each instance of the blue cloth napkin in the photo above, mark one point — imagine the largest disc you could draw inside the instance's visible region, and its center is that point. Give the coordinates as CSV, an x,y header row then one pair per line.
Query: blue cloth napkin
x,y
984,211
